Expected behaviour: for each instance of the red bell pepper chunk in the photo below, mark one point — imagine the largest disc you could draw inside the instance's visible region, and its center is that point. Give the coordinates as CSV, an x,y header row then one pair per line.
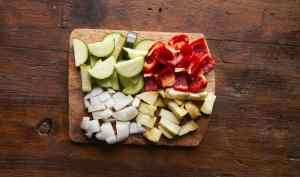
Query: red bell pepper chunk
x,y
150,84
150,65
196,65
197,83
167,77
178,40
200,45
181,83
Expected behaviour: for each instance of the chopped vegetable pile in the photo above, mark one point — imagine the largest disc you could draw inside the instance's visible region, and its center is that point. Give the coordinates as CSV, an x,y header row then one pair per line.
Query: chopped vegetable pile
x,y
144,87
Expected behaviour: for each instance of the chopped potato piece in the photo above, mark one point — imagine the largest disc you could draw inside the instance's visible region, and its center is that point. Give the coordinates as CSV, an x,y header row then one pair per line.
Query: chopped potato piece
x,y
188,127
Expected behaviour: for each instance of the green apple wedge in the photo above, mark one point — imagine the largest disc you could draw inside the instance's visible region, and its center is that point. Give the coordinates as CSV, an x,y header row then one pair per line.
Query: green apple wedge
x,y
132,88
119,39
103,69
106,83
126,82
81,53
131,67
114,80
144,44
93,60
133,53
103,48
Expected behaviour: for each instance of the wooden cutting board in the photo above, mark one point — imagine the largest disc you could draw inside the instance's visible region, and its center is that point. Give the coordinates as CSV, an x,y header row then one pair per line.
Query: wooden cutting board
x,y
76,107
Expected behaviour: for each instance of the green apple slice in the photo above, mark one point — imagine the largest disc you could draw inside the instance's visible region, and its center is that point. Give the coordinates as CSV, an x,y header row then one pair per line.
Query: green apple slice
x,y
133,53
93,60
144,44
127,82
80,52
119,39
103,48
106,83
133,89
115,81
131,67
103,69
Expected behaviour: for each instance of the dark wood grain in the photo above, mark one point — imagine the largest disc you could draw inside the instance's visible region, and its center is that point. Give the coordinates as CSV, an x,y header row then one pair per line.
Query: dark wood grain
x,y
254,131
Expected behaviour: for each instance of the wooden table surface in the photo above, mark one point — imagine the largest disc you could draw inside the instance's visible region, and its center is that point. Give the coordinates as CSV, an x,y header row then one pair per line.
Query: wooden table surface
x,y
255,128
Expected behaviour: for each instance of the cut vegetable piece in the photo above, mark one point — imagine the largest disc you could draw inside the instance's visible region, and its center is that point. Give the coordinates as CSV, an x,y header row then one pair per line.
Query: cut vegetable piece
x,y
144,44
89,134
119,43
86,82
136,102
121,100
111,91
103,48
197,83
122,130
150,84
167,77
134,88
80,52
148,97
109,103
103,97
114,81
165,114
208,104
170,126
174,94
188,127
106,83
192,109
179,102
103,69
178,111
135,128
198,96
96,91
165,132
107,113
147,109
133,53
93,60
126,114
100,136
145,120
181,83
159,103
162,93
85,123
125,81
131,67
111,140
94,126
107,133
153,134
96,107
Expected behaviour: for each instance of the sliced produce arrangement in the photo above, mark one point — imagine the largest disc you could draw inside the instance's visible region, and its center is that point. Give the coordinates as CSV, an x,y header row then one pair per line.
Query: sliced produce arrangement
x,y
141,86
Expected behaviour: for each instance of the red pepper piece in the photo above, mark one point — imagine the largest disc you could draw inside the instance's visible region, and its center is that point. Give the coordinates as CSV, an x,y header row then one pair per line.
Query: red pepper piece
x,y
167,77
197,83
150,65
200,45
184,61
177,41
196,63
181,83
150,84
